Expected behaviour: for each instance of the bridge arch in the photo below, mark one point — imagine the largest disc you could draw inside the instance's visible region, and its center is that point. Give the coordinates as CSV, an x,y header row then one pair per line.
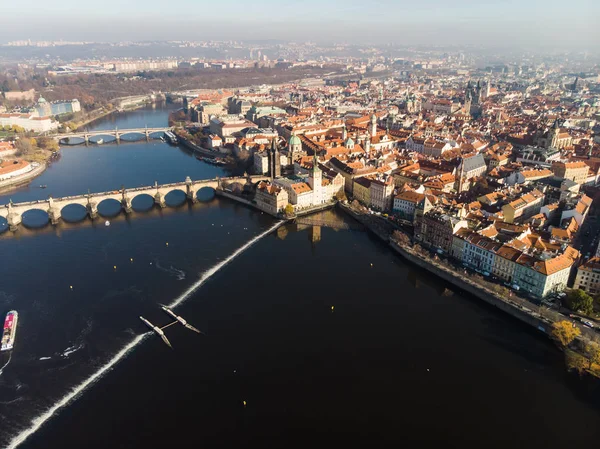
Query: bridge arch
x,y
35,218
175,197
73,212
132,136
205,194
142,202
109,207
106,138
71,141
3,225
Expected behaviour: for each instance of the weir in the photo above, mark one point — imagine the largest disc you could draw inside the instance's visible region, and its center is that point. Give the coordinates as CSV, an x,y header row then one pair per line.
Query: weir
x,y
37,422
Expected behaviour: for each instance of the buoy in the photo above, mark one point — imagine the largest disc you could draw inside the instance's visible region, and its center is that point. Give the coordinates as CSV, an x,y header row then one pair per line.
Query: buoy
x,y
371,264
131,260
244,402
115,267
332,307
71,287
167,243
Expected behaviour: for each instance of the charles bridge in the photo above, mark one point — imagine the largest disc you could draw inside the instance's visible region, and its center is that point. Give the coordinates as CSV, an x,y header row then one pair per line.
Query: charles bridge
x,y
13,212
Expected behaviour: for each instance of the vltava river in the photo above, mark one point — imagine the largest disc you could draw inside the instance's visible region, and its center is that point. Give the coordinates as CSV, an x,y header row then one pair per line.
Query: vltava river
x,y
400,360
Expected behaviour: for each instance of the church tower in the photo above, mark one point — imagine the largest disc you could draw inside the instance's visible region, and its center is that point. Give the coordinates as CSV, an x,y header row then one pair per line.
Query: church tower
x,y
368,146
468,101
373,126
275,160
294,148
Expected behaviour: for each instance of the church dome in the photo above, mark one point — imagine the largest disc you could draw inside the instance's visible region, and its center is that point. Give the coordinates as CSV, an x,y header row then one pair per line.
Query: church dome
x,y
295,140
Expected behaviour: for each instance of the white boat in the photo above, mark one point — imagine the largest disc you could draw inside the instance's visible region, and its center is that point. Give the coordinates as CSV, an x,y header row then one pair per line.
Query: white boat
x,y
100,141
107,223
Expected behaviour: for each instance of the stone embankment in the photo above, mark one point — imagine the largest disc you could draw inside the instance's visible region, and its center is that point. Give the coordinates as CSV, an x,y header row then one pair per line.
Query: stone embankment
x,y
539,317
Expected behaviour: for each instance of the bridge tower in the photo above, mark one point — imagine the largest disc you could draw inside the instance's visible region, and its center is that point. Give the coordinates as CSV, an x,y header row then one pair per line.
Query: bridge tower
x,y
14,219
53,211
190,190
159,198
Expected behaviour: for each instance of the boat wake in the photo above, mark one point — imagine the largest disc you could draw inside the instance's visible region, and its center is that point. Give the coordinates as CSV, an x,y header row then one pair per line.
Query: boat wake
x,y
71,349
179,274
6,364
75,392
45,358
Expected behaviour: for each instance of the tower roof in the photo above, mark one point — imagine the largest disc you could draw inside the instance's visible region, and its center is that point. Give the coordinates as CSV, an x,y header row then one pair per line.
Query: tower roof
x,y
295,140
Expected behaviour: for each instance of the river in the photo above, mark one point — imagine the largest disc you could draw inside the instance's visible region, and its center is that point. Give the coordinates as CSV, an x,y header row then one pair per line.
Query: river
x,y
314,336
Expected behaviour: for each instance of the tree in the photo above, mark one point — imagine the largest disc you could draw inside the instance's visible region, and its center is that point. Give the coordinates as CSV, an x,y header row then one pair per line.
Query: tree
x,y
289,210
576,362
592,351
564,332
580,300
401,238
47,143
24,147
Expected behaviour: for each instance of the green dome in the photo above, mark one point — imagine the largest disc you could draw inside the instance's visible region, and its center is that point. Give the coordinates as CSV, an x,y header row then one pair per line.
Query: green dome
x,y
295,140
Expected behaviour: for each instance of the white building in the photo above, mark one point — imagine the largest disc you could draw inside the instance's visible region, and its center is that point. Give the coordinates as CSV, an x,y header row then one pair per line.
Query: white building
x,y
406,202
28,122
261,162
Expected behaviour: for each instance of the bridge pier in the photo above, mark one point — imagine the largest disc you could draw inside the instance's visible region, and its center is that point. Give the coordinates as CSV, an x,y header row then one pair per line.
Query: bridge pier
x,y
86,138
92,209
14,220
118,137
53,212
126,201
126,204
54,215
159,199
190,191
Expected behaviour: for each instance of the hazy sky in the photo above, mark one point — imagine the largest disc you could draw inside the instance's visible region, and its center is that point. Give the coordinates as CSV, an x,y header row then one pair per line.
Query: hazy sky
x,y
492,22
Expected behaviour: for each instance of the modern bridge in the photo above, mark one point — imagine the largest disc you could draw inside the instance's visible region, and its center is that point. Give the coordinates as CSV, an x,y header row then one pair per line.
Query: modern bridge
x,y
116,133
13,212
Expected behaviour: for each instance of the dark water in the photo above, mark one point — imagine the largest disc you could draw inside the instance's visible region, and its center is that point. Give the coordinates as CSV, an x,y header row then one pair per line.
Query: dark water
x,y
400,360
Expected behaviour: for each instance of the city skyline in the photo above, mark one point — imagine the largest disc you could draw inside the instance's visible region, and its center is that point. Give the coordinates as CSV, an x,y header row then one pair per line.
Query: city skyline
x,y
530,23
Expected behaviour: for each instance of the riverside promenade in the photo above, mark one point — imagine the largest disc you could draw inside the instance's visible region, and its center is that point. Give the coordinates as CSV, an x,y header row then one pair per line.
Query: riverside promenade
x,y
539,317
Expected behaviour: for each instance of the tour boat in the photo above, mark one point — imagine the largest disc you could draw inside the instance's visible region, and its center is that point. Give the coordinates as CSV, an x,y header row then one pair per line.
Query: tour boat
x,y
9,331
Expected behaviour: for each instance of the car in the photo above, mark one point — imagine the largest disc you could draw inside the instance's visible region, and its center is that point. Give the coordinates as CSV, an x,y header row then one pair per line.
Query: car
x,y
588,323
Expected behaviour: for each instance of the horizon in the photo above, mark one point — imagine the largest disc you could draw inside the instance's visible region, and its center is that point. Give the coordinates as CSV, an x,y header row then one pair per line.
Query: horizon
x,y
528,24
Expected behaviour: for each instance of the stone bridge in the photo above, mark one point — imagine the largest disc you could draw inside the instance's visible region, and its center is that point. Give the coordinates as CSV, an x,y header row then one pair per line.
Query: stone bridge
x,y
13,213
116,133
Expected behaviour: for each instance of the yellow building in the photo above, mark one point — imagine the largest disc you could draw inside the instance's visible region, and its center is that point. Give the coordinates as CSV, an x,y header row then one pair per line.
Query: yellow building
x,y
361,190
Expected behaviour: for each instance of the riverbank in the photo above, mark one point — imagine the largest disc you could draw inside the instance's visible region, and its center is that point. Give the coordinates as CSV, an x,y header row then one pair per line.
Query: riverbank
x,y
540,318
20,181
